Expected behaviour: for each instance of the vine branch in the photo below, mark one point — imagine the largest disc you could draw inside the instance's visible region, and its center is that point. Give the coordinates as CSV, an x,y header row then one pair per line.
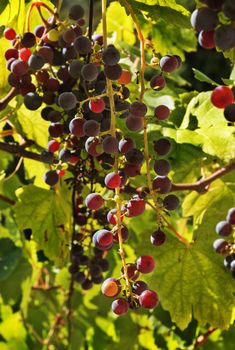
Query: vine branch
x,y
5,100
202,338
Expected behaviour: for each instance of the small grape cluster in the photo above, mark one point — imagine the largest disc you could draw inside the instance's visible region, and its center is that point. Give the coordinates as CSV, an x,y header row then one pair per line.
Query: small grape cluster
x,y
214,22
226,228
61,67
223,97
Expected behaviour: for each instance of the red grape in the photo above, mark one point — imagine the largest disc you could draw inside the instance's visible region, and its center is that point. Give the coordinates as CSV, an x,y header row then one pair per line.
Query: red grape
x,y
148,299
94,201
9,34
97,106
145,264
120,306
111,287
222,96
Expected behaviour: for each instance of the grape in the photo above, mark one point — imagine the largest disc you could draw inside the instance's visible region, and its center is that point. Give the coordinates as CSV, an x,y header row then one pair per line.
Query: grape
x,y
89,72
134,124
52,84
158,237
58,58
134,156
64,155
132,272
139,287
63,74
45,112
91,128
47,53
206,39
56,129
111,216
69,53
82,45
231,216
113,72
229,112
24,54
98,279
126,145
162,167
42,76
229,9
227,261
53,146
162,147
54,116
28,40
79,277
204,19
69,36
148,299
51,177
19,67
120,306
87,284
112,180
76,127
32,101
39,31
14,80
103,239
136,206
67,100
47,157
111,287
93,146
95,270
9,34
162,184
220,245
111,56
222,96
10,62
132,170
232,266
162,112
157,82
168,63
110,144
76,12
171,202
138,109
97,106
225,37
223,228
36,62
11,53
94,201
125,77
124,234
104,264
75,68
145,264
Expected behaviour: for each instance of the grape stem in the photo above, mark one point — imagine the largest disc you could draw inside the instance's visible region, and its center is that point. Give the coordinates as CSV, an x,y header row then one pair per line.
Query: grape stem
x,y
5,100
113,133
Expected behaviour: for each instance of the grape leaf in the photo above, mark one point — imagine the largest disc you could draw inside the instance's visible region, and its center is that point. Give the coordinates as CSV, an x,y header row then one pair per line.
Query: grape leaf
x,y
48,214
9,258
203,77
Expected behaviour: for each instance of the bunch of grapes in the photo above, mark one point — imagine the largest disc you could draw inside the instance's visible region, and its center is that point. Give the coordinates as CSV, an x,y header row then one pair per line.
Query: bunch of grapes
x,y
225,228
214,23
66,74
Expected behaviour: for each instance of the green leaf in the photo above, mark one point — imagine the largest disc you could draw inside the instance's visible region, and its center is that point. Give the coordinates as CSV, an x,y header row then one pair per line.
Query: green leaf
x,y
9,258
13,15
48,214
203,77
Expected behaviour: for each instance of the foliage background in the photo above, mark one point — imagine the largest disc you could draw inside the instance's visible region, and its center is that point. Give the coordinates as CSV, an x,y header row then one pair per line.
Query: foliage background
x,y
195,290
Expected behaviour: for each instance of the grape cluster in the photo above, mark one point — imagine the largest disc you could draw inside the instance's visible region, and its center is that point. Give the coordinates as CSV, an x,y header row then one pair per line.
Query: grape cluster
x,y
65,73
214,22
225,228
223,97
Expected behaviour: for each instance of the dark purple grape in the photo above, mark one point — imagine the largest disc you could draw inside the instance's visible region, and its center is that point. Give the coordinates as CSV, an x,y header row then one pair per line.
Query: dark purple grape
x,y
32,101
113,72
162,184
89,72
39,31
110,144
225,37
69,53
76,127
138,109
47,53
98,38
158,238
36,62
229,112
67,100
111,56
79,277
75,68
64,155
18,67
28,40
76,12
132,170
229,9
126,145
223,228
87,284
162,167
162,147
139,286
124,234
162,112
171,202
220,245
134,124
204,19
213,4
69,36
56,130
134,156
231,216
51,177
169,63
82,45
232,266
91,128
104,264
95,270
157,82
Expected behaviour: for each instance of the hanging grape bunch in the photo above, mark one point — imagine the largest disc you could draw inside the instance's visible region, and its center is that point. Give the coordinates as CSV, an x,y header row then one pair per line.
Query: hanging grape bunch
x,y
79,84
